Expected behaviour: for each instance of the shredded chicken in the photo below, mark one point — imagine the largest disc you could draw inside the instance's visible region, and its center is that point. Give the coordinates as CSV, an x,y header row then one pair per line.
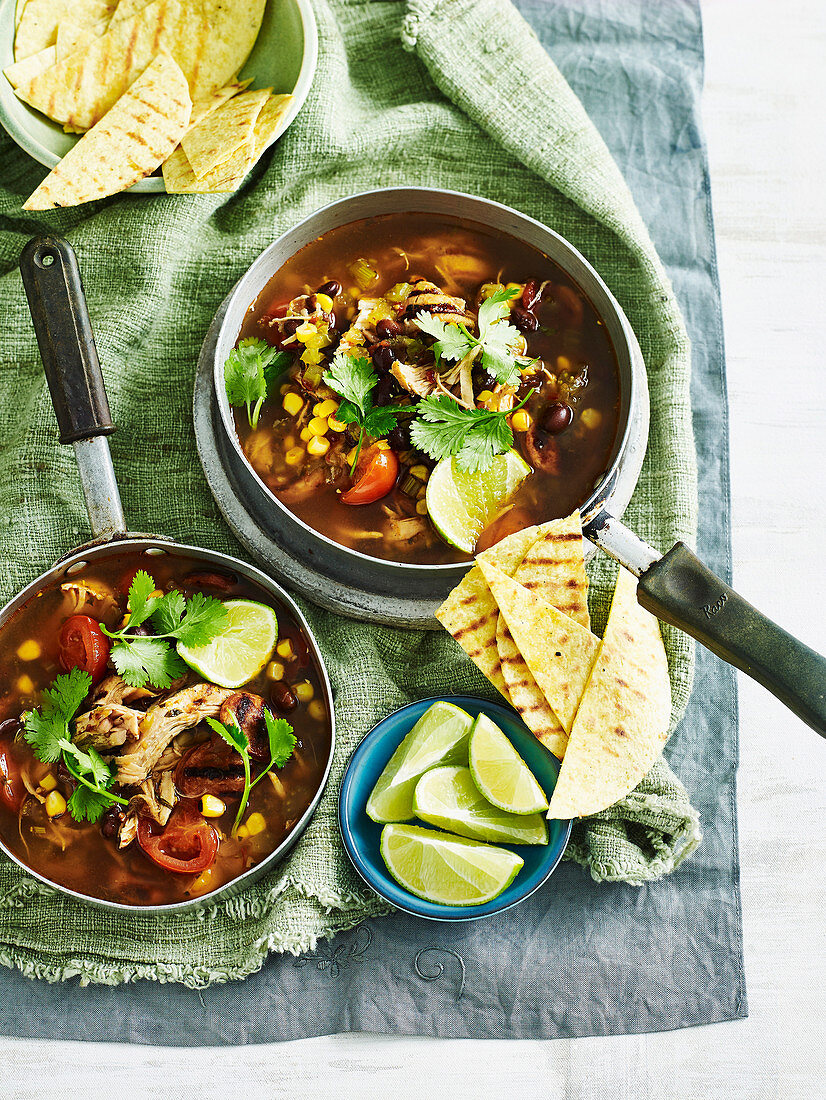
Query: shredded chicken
x,y
405,528
361,325
426,297
107,727
155,799
114,689
83,597
162,722
421,381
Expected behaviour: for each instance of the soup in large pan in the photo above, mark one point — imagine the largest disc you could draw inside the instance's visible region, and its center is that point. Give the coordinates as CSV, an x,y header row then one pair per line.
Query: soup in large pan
x,y
416,387
130,774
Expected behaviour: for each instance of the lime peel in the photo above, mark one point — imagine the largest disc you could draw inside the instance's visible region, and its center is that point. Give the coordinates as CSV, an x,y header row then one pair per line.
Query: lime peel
x,y
238,653
500,773
461,505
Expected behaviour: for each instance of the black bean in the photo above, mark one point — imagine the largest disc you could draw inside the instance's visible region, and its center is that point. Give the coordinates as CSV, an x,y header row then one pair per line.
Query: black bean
x,y
556,418
331,289
530,295
283,698
383,393
399,438
387,328
524,320
383,357
111,822
9,729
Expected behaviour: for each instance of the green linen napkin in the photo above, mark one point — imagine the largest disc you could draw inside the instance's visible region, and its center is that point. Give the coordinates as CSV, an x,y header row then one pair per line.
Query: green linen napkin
x,y
448,93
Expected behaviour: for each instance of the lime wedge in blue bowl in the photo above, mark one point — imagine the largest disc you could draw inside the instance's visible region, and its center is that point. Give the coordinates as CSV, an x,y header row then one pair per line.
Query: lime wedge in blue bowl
x,y
362,836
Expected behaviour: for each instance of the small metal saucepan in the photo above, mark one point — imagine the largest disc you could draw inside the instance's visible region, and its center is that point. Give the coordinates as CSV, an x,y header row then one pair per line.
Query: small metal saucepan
x,y
675,586
64,334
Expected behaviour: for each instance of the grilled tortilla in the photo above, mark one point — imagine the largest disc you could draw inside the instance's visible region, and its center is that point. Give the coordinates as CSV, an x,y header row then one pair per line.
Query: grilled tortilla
x,y
622,722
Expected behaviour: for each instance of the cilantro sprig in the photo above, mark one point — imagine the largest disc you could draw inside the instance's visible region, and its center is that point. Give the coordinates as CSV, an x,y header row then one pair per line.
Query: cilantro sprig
x,y
353,378
474,437
494,344
281,744
48,732
249,372
153,659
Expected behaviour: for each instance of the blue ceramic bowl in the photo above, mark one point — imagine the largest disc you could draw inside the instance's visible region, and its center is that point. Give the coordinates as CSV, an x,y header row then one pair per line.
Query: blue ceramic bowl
x,y
361,836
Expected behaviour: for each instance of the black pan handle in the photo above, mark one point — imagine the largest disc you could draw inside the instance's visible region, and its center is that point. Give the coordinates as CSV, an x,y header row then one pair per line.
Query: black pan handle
x,y
51,278
682,591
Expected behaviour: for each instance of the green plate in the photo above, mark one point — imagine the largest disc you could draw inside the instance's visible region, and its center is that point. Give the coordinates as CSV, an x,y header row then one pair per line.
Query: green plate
x,y
284,56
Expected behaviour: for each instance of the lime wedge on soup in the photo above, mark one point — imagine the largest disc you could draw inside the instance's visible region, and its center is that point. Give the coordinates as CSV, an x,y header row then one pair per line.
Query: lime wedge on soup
x,y
439,737
242,648
448,798
500,773
447,870
461,505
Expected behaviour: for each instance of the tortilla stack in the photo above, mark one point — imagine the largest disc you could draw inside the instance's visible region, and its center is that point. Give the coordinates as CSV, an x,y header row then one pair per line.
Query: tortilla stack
x,y
622,721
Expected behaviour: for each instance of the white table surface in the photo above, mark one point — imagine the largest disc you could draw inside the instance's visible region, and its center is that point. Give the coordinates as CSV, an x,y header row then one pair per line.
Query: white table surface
x,y
763,107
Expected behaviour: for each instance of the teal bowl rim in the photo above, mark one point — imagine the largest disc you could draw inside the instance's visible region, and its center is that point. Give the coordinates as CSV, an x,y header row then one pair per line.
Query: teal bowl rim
x,y
154,184
397,896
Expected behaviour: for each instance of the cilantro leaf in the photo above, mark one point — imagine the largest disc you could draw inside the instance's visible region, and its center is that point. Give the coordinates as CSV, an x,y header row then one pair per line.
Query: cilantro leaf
x,y
453,342
497,337
168,612
380,422
141,600
474,437
204,618
231,733
87,805
353,377
495,308
246,375
44,729
146,660
500,363
282,741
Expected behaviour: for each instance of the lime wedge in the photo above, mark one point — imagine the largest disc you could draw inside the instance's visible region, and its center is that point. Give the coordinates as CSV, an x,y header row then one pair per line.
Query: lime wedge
x,y
500,773
462,505
448,870
439,737
448,798
242,648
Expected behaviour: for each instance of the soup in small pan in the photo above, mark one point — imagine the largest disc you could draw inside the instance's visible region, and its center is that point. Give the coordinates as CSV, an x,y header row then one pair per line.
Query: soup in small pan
x,y
416,388
163,730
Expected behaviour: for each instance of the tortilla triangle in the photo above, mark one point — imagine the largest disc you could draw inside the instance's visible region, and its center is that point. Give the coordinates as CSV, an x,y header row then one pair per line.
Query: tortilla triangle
x,y
557,650
622,721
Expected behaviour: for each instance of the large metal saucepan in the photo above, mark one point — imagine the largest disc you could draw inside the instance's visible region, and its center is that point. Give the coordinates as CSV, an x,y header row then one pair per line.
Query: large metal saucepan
x,y
676,586
64,334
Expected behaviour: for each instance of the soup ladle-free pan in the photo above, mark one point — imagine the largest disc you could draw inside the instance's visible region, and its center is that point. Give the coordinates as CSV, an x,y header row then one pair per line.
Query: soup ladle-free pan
x,y
64,334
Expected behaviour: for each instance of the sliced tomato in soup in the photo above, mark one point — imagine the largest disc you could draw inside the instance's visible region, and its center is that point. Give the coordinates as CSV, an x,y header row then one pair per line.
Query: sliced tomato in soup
x,y
376,475
83,645
186,845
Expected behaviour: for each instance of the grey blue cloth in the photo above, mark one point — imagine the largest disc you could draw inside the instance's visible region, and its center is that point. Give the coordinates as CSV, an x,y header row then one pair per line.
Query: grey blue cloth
x,y
577,958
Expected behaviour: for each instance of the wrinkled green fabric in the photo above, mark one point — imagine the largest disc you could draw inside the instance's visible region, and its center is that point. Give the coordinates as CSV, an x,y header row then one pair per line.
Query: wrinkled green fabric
x,y
448,93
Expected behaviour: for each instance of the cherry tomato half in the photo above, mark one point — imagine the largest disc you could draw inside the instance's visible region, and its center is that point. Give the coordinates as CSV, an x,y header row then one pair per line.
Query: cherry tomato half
x,y
187,844
375,477
12,789
83,645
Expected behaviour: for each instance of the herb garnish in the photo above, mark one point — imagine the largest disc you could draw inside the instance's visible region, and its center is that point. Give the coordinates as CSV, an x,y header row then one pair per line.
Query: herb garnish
x,y
174,618
249,372
474,437
495,341
282,743
353,378
47,731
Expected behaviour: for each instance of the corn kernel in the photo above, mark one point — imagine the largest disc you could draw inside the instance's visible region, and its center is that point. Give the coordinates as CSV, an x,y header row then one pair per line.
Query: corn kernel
x,y
242,832
422,493
203,882
318,425
48,782
285,649
289,442
484,397
325,408
295,456
256,823
212,806
304,691
351,455
590,418
55,804
563,362
336,425
324,301
521,420
25,685
29,651
421,507
354,291
317,710
275,670
306,435
293,404
284,388
318,446
156,593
